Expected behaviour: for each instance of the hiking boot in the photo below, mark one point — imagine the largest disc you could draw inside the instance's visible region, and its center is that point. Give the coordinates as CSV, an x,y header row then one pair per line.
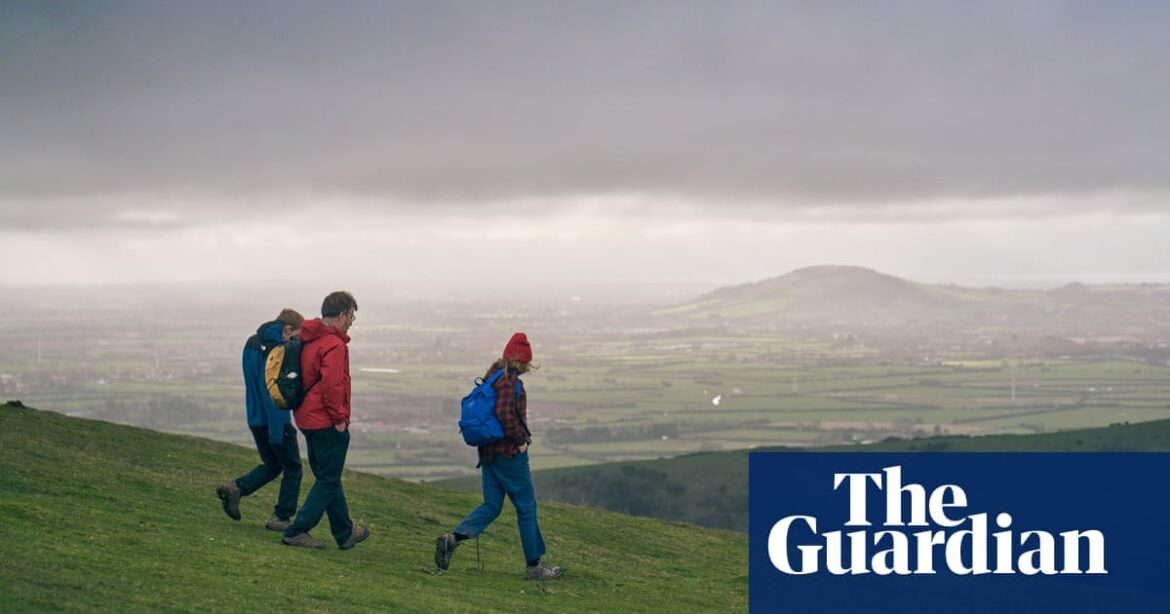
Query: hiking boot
x,y
229,494
358,535
304,540
445,546
541,571
276,523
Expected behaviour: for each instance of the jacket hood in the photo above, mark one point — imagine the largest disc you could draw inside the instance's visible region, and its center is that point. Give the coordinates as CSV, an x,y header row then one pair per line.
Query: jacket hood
x,y
271,331
315,329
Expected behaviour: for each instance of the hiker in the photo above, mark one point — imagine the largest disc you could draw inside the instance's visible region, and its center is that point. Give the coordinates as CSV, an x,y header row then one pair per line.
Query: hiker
x,y
272,429
324,419
504,467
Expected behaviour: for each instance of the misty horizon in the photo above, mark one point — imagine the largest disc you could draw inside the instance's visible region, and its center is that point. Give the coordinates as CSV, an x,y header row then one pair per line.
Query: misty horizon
x,y
366,144
438,291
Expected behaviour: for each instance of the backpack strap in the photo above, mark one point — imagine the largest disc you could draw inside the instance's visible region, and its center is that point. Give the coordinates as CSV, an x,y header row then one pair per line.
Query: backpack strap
x,y
518,417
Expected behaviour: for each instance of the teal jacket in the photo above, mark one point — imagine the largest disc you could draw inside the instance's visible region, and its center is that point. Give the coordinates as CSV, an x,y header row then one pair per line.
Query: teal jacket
x,y
261,410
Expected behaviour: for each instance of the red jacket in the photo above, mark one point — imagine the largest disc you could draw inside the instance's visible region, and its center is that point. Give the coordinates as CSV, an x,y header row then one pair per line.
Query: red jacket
x,y
325,370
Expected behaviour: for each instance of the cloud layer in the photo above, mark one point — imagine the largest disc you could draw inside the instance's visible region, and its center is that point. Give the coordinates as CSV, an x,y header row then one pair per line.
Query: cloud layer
x,y
785,102
675,141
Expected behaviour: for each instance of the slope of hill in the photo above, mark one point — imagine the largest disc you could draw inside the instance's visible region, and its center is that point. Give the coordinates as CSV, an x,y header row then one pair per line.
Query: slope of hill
x,y
711,488
822,292
108,517
859,295
843,284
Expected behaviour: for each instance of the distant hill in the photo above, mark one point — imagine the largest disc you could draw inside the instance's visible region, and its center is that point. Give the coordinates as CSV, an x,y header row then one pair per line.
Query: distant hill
x,y
863,296
711,488
827,284
97,516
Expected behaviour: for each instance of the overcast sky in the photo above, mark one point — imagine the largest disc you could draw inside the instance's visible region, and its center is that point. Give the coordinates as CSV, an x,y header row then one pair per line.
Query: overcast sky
x,y
1004,143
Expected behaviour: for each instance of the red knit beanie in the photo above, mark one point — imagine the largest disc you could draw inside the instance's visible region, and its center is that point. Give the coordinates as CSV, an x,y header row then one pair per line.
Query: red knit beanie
x,y
518,348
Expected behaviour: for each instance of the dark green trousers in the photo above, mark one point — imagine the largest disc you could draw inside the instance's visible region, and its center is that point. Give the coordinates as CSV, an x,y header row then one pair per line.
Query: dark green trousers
x,y
327,450
284,458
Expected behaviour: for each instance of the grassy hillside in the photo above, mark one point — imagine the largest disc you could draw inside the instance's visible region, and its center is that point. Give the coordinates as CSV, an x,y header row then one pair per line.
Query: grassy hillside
x,y
711,488
101,516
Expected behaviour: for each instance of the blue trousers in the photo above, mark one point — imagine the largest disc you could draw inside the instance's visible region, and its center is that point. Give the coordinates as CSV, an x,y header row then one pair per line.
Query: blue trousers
x,y
512,477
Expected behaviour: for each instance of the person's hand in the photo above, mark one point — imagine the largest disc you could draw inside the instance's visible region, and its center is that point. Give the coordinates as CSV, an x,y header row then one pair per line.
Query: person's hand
x,y
340,426
523,448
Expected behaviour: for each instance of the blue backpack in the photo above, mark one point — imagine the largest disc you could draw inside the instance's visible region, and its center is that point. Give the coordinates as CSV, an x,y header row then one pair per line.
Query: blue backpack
x,y
477,420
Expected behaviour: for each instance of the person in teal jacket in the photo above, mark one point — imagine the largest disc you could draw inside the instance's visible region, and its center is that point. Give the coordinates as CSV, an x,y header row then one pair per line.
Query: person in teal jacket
x,y
272,429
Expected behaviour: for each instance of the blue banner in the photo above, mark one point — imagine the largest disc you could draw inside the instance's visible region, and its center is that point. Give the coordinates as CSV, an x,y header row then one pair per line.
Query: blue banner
x,y
986,532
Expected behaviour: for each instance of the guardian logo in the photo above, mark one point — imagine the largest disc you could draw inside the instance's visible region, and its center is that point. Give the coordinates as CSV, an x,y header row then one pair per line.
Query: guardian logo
x,y
898,547
850,532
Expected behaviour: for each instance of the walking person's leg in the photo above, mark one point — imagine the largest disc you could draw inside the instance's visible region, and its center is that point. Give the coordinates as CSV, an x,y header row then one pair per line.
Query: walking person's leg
x,y
331,460
475,522
493,502
289,454
269,468
317,499
516,477
517,480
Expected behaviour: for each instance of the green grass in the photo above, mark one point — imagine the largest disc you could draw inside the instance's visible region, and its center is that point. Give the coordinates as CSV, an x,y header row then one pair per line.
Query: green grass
x,y
101,516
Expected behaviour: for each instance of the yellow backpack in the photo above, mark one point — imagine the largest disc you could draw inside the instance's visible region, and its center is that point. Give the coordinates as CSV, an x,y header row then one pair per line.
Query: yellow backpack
x,y
282,375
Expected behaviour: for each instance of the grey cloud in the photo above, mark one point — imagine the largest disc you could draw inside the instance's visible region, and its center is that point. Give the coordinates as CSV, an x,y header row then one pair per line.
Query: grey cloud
x,y
105,212
440,102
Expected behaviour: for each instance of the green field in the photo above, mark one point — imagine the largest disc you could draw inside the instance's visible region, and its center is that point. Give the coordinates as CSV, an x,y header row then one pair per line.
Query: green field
x,y
586,415
623,406
606,391
104,517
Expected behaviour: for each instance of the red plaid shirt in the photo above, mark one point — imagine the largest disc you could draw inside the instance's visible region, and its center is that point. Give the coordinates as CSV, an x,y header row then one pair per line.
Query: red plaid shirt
x,y
512,412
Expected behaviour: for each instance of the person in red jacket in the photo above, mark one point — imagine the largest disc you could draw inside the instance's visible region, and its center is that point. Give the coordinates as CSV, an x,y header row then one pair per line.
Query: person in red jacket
x,y
323,417
504,468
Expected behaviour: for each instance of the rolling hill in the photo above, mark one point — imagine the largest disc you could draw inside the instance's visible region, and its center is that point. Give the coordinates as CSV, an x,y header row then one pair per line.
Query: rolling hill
x,y
97,516
827,293
858,295
839,285
711,488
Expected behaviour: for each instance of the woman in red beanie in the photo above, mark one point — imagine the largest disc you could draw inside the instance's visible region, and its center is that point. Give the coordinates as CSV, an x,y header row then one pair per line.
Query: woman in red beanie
x,y
504,467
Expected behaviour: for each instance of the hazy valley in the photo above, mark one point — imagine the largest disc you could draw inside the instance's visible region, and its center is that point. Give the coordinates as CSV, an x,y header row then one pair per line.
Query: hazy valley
x,y
820,356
